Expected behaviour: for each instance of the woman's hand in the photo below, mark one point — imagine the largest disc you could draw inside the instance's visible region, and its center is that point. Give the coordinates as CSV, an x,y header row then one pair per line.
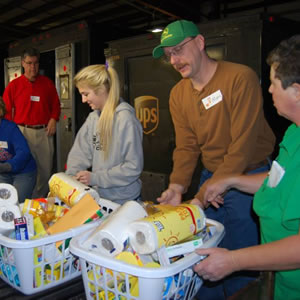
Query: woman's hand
x,y
216,189
84,177
218,263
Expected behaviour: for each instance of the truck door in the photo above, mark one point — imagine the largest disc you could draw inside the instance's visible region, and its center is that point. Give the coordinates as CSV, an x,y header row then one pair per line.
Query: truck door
x,y
12,68
64,60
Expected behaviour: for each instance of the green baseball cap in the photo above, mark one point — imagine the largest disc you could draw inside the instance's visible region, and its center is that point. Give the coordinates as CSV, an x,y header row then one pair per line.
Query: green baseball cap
x,y
174,34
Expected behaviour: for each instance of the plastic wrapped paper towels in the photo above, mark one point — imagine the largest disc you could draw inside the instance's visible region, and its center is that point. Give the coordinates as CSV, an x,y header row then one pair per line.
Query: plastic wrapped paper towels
x,y
168,226
8,194
111,237
68,189
7,215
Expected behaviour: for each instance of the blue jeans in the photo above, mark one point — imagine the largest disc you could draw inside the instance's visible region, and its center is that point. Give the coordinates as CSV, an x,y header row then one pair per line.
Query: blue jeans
x,y
24,183
241,230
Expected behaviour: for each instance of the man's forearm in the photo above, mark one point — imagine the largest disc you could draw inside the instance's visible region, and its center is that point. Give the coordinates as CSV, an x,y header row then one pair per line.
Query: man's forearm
x,y
177,187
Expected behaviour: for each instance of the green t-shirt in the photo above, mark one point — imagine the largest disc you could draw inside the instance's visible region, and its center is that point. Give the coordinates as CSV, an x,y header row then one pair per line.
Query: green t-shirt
x,y
278,208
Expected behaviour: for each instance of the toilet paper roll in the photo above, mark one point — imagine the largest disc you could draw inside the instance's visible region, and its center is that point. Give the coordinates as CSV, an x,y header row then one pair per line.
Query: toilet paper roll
x,y
68,189
111,237
7,215
8,194
169,226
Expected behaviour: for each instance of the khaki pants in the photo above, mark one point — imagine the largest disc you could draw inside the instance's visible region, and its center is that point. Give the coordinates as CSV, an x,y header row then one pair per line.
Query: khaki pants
x,y
42,149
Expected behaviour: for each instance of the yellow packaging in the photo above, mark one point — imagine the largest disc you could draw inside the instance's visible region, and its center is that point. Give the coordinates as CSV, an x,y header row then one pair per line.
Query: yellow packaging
x,y
134,290
40,208
63,190
33,207
169,226
37,255
39,228
37,251
37,276
59,212
101,296
130,258
152,264
47,275
92,278
100,279
133,285
47,217
56,273
179,222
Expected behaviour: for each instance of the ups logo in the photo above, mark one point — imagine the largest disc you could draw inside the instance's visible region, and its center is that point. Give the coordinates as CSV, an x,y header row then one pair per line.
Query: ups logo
x,y
147,112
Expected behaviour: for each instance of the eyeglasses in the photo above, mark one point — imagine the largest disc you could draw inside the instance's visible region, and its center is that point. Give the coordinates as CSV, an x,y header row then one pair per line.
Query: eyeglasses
x,y
30,63
177,51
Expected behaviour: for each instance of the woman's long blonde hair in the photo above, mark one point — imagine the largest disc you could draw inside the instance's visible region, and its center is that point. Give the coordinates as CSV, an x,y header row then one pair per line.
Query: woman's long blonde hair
x,y
97,77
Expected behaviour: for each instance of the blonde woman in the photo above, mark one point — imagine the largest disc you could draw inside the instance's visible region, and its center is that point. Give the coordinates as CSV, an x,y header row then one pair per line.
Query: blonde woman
x,y
110,140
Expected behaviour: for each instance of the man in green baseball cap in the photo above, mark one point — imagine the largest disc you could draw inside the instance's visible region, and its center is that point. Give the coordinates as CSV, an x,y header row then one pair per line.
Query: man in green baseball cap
x,y
174,34
217,112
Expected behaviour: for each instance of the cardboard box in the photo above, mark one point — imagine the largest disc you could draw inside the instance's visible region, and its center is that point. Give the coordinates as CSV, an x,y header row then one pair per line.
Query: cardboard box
x,y
76,216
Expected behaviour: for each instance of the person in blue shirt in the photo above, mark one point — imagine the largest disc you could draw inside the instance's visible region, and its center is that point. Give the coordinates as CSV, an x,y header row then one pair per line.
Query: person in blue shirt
x,y
17,165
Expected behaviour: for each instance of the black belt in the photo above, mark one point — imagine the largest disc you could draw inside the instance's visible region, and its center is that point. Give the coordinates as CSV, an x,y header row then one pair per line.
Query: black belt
x,y
256,166
33,126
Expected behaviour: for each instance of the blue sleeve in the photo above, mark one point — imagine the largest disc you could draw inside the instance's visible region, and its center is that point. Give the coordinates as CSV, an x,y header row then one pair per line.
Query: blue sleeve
x,y
22,152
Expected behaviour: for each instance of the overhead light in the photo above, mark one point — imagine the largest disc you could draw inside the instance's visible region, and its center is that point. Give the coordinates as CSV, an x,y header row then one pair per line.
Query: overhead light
x,y
154,30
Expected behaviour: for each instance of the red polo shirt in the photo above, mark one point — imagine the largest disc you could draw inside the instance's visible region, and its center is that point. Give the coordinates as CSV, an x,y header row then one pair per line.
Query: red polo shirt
x,y
31,103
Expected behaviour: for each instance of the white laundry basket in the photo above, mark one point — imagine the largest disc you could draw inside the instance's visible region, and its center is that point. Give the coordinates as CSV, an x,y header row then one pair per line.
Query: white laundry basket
x,y
101,274
36,265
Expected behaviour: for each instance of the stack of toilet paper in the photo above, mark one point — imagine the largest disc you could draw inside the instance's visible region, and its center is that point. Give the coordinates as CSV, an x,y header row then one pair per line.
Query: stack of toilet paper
x,y
68,189
131,225
9,208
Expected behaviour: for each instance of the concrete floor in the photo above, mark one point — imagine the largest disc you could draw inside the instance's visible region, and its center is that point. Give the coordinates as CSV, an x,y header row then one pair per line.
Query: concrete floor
x,y
72,290
260,289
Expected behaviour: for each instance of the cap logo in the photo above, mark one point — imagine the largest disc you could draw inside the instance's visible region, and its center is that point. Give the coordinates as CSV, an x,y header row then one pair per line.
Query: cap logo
x,y
165,34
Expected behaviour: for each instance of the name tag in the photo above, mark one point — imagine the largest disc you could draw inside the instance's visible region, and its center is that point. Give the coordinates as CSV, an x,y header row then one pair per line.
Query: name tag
x,y
212,99
3,145
35,98
275,175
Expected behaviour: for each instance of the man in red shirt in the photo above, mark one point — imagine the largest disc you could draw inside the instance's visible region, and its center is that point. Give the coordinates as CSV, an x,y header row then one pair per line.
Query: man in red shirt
x,y
32,102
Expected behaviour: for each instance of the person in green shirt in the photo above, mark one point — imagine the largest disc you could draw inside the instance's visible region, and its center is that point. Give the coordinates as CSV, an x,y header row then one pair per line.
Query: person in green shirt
x,y
277,193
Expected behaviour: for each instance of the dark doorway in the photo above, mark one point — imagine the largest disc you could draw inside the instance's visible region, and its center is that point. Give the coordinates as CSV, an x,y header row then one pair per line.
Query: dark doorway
x,y
47,68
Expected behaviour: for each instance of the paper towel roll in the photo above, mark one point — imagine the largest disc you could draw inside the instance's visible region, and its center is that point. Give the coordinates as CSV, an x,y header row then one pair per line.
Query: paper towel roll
x,y
68,189
169,226
111,236
7,215
8,194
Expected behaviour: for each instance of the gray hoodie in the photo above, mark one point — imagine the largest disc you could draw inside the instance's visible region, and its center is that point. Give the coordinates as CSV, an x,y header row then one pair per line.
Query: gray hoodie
x,y
116,178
